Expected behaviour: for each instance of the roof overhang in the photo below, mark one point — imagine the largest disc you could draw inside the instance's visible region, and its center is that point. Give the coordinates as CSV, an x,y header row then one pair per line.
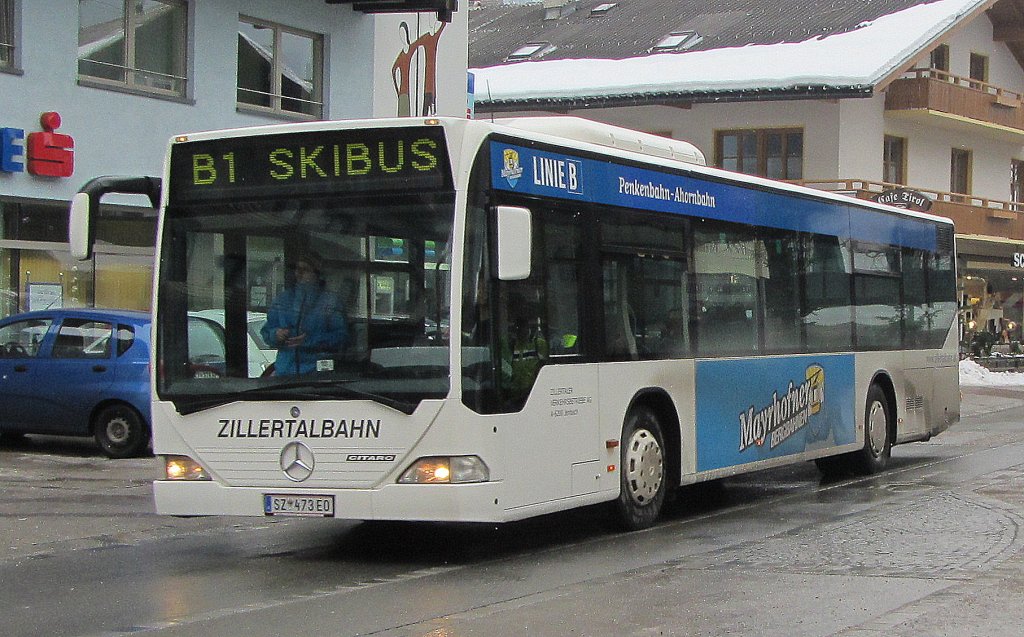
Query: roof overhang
x,y
677,100
862,64
950,121
444,8
980,245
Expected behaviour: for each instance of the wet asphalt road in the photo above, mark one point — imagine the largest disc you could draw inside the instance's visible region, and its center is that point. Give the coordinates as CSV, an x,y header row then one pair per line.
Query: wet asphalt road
x,y
931,547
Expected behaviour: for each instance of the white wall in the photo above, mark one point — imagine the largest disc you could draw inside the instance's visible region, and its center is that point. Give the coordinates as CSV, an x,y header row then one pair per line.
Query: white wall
x,y
976,37
819,119
452,62
930,141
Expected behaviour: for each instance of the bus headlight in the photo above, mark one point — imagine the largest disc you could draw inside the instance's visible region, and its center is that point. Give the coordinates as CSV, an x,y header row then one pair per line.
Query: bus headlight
x,y
446,470
183,468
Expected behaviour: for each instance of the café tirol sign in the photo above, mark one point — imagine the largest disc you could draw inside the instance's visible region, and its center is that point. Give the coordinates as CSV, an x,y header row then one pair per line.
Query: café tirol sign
x,y
45,153
904,198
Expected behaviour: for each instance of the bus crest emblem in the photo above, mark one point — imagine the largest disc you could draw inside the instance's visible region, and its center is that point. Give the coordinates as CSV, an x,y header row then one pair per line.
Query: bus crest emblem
x,y
512,170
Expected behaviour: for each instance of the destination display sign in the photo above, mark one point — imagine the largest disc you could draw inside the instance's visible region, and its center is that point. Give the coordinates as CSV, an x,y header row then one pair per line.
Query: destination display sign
x,y
309,162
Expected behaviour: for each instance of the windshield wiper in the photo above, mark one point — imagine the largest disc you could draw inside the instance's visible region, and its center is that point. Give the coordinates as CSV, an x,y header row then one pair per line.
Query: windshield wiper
x,y
316,390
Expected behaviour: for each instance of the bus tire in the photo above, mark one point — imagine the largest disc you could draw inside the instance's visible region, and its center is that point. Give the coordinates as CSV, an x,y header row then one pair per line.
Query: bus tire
x,y
12,438
642,475
120,431
832,467
878,420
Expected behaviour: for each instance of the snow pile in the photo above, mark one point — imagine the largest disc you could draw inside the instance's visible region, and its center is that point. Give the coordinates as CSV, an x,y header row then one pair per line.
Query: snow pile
x,y
974,375
858,58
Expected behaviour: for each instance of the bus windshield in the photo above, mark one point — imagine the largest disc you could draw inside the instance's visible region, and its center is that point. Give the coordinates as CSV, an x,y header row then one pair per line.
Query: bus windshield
x,y
326,297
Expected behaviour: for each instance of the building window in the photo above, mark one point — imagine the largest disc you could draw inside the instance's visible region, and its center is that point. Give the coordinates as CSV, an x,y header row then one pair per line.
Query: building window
x,y
979,68
940,58
894,160
6,34
280,70
678,41
139,44
530,50
960,171
772,153
1017,181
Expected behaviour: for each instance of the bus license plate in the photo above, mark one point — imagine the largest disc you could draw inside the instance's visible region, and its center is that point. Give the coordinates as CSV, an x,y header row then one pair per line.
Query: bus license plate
x,y
315,505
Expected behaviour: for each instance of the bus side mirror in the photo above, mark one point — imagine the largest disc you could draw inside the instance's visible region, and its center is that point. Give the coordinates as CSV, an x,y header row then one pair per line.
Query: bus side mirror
x,y
515,241
80,226
85,207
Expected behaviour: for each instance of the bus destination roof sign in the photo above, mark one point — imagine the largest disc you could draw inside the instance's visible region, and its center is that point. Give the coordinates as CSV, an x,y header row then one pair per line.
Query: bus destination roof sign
x,y
309,163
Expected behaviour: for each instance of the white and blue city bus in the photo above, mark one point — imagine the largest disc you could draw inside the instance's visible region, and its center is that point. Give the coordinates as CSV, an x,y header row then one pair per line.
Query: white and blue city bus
x,y
538,315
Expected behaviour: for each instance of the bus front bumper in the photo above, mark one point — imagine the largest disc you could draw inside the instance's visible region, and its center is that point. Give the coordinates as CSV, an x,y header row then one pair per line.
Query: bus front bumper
x,y
478,502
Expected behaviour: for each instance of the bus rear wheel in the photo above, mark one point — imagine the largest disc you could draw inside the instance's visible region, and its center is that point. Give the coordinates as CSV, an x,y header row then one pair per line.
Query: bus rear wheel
x,y
878,423
874,455
642,473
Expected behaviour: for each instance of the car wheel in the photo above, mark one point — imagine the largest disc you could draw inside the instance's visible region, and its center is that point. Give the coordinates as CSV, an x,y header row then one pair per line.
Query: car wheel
x,y
877,434
120,432
642,470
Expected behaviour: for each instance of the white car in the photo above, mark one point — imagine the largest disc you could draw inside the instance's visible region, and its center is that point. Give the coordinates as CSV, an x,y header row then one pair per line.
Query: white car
x,y
206,344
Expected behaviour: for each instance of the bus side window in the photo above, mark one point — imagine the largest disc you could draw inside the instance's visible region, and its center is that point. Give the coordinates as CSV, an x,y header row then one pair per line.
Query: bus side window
x,y
561,237
522,345
619,319
827,308
725,269
778,272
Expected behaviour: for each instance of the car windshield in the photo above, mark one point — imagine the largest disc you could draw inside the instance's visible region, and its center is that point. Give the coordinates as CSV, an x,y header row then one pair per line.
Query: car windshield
x,y
346,297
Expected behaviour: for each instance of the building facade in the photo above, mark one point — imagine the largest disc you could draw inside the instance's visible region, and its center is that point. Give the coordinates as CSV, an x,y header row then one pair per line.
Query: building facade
x,y
940,123
98,87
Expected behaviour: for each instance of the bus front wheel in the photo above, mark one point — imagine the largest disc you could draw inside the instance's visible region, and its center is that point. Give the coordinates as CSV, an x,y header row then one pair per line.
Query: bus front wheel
x,y
641,471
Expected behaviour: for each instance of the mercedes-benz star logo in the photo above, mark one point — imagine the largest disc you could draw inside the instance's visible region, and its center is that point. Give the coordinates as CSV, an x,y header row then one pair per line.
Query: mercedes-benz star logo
x,y
297,461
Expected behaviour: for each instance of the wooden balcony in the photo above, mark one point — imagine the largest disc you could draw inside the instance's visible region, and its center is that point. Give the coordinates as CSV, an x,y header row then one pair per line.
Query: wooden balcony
x,y
959,100
972,215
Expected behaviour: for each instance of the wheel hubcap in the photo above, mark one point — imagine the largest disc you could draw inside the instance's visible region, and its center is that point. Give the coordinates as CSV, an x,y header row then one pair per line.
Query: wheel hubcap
x,y
118,430
877,428
644,466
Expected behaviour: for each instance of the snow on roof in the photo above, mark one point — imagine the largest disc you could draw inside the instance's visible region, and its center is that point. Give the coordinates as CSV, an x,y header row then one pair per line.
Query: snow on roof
x,y
859,58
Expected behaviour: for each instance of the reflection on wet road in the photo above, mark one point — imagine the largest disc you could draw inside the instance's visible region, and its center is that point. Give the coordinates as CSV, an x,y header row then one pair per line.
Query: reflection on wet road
x,y
946,512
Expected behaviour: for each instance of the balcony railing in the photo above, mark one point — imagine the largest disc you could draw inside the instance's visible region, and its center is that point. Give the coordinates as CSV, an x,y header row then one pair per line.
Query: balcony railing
x,y
971,214
935,90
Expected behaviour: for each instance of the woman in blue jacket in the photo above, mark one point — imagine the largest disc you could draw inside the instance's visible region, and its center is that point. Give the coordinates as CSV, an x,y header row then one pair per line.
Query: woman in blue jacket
x,y
305,322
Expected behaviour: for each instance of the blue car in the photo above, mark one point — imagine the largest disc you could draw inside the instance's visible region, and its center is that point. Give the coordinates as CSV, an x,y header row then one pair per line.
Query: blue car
x,y
77,372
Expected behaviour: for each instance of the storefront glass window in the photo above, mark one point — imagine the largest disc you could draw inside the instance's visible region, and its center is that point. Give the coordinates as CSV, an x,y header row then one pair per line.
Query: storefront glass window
x,y
42,279
8,290
37,271
124,281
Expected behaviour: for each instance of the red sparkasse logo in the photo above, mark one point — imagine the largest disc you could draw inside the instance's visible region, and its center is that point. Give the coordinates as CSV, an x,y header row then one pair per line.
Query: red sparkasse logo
x,y
49,154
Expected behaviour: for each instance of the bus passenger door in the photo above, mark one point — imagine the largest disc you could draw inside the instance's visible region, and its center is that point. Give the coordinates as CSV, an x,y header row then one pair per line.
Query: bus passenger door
x,y
548,391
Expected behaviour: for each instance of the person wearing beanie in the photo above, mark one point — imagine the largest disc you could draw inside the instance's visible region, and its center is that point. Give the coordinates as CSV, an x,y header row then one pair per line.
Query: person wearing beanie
x,y
305,322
